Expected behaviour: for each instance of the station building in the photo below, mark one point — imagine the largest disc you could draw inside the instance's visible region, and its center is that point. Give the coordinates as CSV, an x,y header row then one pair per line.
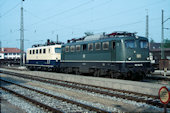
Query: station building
x,y
9,53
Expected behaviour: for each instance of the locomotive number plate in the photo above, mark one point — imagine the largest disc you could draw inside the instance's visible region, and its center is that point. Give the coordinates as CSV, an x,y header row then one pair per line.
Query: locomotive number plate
x,y
138,64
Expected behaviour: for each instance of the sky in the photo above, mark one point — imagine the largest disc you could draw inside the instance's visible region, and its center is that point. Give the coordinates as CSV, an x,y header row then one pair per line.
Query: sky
x,y
45,19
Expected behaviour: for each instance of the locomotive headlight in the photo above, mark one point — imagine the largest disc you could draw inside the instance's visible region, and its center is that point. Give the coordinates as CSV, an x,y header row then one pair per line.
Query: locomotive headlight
x,y
129,58
148,58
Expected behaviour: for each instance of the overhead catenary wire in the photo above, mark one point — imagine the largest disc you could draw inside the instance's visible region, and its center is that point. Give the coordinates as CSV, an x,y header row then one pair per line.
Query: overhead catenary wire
x,y
8,11
60,13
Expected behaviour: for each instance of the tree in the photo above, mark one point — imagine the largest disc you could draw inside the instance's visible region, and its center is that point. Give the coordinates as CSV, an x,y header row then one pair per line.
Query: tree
x,y
152,41
167,43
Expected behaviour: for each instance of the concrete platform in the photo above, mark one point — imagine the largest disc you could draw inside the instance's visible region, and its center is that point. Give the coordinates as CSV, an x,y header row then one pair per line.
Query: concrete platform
x,y
141,87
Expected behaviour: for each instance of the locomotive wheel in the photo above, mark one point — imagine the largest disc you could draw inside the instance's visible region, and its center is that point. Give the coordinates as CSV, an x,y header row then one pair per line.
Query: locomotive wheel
x,y
77,72
97,73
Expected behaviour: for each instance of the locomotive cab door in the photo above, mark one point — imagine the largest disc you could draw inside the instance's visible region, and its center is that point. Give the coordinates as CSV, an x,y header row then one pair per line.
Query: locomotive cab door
x,y
113,50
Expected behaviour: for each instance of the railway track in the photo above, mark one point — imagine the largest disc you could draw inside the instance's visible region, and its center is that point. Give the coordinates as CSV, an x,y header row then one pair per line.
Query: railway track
x,y
46,107
147,77
138,97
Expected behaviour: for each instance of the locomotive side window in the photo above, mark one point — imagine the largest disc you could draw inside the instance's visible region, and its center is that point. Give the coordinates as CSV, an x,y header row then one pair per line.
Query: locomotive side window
x,y
67,49
84,47
30,52
49,50
90,47
130,43
44,51
77,47
72,48
143,44
40,51
33,51
57,50
105,45
98,46
113,45
36,51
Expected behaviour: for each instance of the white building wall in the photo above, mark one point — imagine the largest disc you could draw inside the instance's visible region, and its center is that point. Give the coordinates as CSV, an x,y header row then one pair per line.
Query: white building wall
x,y
12,56
1,56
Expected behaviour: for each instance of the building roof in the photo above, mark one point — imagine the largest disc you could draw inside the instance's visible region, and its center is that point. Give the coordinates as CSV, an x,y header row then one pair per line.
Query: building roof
x,y
10,50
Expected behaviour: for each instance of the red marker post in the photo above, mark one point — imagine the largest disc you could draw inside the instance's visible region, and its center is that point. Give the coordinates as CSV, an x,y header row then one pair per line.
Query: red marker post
x,y
164,96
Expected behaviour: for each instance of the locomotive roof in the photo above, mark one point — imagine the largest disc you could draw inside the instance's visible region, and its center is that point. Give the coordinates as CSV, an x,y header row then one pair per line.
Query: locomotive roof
x,y
106,39
57,45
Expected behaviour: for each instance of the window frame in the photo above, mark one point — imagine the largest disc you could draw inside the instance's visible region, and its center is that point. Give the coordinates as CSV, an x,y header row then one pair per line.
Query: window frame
x,y
36,51
103,45
67,48
129,41
78,46
57,51
72,48
44,51
30,52
99,46
90,45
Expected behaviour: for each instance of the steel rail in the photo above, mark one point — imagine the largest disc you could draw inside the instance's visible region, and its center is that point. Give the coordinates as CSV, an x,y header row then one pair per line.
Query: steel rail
x,y
154,101
90,108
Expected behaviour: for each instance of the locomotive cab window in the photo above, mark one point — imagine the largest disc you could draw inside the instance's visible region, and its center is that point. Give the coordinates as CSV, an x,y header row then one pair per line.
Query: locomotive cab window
x,y
77,47
130,43
98,46
57,50
72,48
105,45
143,44
90,47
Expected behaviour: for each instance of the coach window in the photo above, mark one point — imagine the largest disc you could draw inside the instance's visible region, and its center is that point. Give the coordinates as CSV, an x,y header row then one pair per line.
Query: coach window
x,y
105,45
57,50
113,45
30,52
44,51
77,47
40,51
90,47
98,46
72,48
33,51
84,47
67,49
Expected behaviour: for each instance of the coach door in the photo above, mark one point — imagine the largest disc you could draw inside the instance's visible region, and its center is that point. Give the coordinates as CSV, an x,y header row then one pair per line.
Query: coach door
x,y
113,50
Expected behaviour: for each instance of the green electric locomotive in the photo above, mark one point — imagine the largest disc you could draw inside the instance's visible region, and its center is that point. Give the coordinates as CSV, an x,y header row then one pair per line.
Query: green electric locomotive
x,y
118,54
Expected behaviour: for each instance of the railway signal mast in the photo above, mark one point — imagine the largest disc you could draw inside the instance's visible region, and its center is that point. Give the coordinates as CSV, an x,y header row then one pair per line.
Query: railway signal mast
x,y
21,35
